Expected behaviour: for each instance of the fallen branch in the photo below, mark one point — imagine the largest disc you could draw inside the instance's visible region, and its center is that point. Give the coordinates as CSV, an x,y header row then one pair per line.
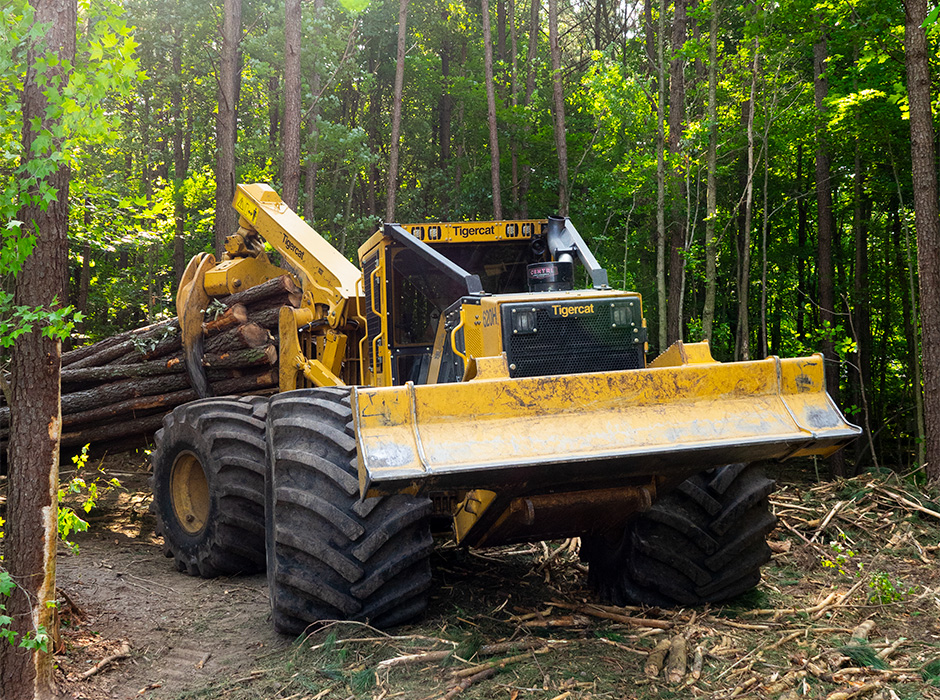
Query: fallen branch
x,y
677,660
122,653
780,612
656,658
412,659
564,621
854,692
467,682
827,519
596,611
910,504
497,663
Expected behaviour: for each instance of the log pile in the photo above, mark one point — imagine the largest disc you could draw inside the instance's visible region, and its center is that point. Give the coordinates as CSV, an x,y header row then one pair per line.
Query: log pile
x,y
116,392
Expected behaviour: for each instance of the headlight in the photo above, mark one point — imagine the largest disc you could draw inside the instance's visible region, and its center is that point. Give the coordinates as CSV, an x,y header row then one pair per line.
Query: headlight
x,y
620,315
523,321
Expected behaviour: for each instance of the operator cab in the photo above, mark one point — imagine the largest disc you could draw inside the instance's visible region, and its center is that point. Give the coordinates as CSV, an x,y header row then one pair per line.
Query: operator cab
x,y
420,278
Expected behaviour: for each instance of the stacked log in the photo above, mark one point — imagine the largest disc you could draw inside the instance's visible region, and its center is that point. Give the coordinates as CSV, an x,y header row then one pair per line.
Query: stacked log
x,y
116,392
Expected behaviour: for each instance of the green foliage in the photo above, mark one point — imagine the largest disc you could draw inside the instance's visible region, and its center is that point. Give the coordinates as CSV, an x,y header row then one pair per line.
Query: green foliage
x,y
884,589
842,559
146,184
863,654
81,493
931,672
80,117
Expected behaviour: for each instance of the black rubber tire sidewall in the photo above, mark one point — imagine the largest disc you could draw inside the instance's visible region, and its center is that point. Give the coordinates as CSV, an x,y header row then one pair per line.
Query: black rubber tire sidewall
x,y
226,435
704,542
312,547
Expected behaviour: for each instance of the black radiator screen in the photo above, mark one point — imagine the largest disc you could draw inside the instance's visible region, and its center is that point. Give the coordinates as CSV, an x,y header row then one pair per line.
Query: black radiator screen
x,y
573,337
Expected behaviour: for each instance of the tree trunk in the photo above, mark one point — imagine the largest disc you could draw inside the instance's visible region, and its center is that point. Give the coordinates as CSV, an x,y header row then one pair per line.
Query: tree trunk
x,y
31,530
446,102
909,314
514,100
396,112
764,340
800,246
500,30
491,110
711,188
558,102
926,221
744,279
274,117
226,127
765,228
84,279
531,53
826,227
290,169
661,177
313,131
676,179
861,214
180,163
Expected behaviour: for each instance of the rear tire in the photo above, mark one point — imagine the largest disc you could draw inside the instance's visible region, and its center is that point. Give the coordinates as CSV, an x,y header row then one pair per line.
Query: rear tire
x,y
208,485
330,555
702,543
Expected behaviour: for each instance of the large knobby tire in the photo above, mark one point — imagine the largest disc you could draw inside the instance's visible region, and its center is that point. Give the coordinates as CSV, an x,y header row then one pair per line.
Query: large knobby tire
x,y
208,485
330,555
704,542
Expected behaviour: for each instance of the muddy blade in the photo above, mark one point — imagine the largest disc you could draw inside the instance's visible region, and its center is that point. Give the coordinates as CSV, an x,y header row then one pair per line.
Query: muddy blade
x,y
594,430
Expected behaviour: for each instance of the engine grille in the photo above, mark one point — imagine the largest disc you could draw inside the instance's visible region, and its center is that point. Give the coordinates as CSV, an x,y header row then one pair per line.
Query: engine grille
x,y
574,337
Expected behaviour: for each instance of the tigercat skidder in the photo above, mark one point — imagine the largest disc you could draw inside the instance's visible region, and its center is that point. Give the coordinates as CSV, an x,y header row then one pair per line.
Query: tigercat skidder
x,y
457,374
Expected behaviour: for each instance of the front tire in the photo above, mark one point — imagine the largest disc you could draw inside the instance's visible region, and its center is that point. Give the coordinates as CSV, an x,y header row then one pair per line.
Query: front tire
x,y
704,542
208,485
330,555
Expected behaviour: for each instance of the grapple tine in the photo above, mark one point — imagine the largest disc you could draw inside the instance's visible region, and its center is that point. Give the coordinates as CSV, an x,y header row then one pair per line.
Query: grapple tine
x,y
191,303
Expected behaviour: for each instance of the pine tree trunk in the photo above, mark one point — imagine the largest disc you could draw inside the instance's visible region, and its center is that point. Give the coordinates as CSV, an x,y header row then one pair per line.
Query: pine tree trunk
x,y
180,163
801,286
558,102
661,177
927,221
711,188
861,213
531,53
313,131
290,168
514,100
394,145
826,226
226,222
31,530
744,279
491,110
676,180
445,101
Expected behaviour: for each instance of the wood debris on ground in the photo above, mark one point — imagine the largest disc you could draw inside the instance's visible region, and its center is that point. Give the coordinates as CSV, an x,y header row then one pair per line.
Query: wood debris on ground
x,y
849,607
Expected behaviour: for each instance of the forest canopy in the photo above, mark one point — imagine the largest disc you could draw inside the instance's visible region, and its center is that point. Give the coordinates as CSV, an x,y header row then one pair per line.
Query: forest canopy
x,y
694,136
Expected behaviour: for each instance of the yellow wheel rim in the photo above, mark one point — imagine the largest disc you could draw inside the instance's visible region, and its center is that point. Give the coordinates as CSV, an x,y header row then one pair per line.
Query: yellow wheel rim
x,y
189,492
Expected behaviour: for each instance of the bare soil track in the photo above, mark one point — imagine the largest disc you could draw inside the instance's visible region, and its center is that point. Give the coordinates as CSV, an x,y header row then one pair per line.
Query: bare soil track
x,y
518,622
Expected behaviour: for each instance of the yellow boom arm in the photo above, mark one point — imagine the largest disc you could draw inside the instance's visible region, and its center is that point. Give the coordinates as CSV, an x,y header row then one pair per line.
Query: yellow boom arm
x,y
327,279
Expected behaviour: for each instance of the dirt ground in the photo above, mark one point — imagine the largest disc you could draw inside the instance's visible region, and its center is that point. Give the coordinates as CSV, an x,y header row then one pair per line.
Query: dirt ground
x,y
181,632
519,622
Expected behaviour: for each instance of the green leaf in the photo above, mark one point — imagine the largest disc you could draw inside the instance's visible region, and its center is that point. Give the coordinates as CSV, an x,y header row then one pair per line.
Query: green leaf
x,y
931,17
355,6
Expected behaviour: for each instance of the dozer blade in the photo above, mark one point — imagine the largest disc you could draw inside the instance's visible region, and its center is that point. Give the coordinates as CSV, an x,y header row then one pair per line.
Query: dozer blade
x,y
593,430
